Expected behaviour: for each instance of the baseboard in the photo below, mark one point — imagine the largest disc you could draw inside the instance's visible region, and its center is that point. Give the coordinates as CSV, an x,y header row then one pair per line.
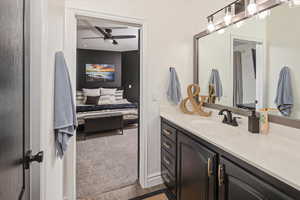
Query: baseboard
x,y
154,180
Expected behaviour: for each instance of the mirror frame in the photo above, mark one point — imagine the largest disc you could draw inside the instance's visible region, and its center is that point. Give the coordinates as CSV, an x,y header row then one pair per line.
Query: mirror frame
x,y
266,5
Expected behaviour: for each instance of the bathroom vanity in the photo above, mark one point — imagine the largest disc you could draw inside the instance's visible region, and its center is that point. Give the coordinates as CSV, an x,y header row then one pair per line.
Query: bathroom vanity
x,y
203,159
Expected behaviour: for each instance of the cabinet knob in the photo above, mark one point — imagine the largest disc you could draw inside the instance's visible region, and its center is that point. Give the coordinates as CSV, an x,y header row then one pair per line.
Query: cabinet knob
x,y
221,175
209,167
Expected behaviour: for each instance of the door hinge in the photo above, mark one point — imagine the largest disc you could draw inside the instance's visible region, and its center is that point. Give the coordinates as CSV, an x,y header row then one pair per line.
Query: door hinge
x,y
29,158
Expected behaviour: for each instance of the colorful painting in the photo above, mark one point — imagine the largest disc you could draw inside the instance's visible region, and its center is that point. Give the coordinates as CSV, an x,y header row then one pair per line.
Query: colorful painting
x,y
100,72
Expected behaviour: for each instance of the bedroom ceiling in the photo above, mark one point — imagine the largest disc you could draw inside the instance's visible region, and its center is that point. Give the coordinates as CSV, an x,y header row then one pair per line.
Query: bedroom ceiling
x,y
86,28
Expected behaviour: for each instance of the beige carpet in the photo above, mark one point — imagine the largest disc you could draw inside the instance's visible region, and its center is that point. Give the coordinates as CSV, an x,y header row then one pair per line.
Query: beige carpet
x,y
106,162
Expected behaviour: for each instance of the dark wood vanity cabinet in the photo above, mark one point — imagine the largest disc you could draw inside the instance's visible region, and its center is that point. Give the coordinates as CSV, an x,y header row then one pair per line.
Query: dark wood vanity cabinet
x,y
196,170
236,183
193,169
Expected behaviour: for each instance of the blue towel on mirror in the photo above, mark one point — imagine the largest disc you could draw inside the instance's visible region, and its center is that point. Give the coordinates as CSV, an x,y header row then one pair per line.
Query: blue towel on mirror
x,y
284,97
65,121
215,81
174,90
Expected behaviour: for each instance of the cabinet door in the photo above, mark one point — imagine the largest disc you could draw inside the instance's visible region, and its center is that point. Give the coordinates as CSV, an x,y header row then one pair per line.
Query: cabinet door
x,y
196,170
236,183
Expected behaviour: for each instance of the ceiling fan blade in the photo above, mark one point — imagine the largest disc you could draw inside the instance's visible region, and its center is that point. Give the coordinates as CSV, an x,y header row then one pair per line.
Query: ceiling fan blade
x,y
92,38
120,27
123,36
102,32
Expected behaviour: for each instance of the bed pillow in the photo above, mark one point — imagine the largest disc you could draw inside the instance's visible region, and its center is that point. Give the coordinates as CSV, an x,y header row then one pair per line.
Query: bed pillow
x,y
79,97
92,100
108,91
107,96
91,92
119,95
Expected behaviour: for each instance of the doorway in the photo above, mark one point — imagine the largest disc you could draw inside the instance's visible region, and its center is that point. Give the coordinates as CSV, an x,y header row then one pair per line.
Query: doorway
x,y
71,55
108,134
248,72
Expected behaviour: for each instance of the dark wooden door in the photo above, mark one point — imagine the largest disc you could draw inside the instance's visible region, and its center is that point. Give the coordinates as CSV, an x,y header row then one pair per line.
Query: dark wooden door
x,y
196,170
236,183
13,182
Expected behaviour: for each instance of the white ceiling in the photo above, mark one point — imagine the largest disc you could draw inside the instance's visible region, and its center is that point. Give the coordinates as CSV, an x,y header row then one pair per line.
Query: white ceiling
x,y
86,29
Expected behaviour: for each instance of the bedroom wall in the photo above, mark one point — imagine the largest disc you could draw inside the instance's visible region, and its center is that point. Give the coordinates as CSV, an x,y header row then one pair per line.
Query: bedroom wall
x,y
130,75
171,25
85,56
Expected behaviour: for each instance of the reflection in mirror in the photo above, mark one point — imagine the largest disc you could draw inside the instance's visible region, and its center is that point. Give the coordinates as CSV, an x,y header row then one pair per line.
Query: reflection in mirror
x,y
254,64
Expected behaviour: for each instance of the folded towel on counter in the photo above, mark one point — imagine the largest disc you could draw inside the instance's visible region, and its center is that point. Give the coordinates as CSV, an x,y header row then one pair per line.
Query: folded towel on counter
x,y
284,97
174,90
215,81
64,108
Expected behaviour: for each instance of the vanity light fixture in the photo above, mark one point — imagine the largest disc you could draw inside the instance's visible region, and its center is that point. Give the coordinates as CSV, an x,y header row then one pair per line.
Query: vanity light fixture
x,y
264,14
211,27
228,16
252,7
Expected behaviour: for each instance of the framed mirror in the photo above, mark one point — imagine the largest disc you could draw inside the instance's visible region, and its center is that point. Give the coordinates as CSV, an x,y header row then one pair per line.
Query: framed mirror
x,y
253,61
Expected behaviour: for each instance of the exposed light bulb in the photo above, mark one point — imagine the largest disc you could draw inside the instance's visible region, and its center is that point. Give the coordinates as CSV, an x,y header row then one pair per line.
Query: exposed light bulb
x,y
239,24
211,27
221,31
252,7
228,16
264,14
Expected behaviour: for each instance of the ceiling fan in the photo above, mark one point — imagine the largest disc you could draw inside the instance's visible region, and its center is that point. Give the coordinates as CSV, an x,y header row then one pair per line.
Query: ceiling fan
x,y
107,35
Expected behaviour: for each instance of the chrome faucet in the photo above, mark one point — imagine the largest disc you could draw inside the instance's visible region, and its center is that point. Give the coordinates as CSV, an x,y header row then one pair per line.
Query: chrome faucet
x,y
228,118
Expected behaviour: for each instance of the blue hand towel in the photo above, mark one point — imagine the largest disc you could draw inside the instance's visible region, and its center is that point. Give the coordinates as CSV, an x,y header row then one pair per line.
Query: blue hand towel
x,y
215,81
64,107
284,97
174,90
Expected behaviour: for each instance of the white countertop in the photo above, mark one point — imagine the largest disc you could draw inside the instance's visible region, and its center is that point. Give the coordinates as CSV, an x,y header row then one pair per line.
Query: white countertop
x,y
277,153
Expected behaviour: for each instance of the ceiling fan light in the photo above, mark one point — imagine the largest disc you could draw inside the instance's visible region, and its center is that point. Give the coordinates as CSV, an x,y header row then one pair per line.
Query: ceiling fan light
x,y
252,7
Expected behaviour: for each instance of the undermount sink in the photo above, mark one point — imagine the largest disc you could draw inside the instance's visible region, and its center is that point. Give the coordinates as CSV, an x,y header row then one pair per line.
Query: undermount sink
x,y
201,121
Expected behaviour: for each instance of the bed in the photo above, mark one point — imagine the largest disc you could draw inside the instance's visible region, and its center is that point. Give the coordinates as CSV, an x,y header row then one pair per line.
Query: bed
x,y
129,112
106,107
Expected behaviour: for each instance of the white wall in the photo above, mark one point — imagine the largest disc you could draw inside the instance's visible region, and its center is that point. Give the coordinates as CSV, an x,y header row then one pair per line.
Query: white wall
x,y
171,25
52,26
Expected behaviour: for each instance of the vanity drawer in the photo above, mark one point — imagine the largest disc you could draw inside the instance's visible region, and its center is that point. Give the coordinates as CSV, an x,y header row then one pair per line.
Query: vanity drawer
x,y
168,131
169,180
168,145
168,161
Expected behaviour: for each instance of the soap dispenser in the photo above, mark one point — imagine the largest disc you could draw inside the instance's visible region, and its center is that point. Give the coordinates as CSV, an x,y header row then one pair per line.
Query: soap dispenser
x,y
253,123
